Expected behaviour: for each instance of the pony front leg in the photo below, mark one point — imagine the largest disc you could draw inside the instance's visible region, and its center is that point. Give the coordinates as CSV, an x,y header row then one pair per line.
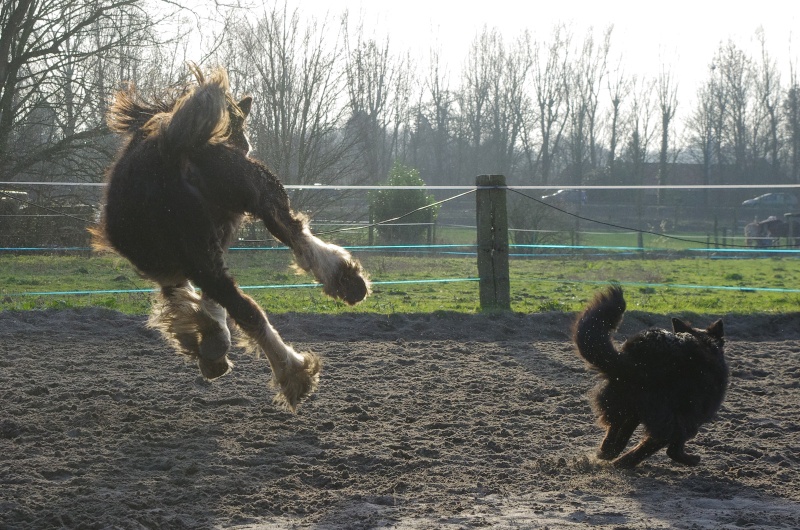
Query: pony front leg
x,y
295,375
196,325
215,339
341,275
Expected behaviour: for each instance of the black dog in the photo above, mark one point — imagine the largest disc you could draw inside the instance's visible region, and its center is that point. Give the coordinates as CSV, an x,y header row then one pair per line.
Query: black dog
x,y
670,382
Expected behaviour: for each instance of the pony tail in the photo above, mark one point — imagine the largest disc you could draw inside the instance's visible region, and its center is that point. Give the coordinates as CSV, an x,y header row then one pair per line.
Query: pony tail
x,y
99,239
127,112
200,117
120,116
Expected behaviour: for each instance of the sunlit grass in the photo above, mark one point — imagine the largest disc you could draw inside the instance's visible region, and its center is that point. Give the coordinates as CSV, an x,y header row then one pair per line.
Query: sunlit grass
x,y
561,283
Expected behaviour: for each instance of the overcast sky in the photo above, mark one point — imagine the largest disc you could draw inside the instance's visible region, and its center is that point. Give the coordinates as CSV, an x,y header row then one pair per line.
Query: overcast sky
x,y
684,34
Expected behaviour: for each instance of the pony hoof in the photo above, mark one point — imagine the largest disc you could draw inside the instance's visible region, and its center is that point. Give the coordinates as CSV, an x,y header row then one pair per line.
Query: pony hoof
x,y
298,382
211,369
354,290
349,284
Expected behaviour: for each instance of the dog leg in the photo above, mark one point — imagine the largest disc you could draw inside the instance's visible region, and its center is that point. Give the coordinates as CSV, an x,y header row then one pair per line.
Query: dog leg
x,y
616,439
646,448
677,452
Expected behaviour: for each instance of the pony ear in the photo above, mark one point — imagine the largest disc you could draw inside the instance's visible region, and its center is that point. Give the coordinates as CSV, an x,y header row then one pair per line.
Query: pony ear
x,y
715,329
680,326
245,104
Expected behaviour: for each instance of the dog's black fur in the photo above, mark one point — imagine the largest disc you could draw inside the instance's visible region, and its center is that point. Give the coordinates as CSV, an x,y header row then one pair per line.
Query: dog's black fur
x,y
669,382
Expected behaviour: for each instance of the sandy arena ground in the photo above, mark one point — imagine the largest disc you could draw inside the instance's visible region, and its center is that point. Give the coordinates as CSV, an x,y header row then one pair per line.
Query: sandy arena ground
x,y
423,421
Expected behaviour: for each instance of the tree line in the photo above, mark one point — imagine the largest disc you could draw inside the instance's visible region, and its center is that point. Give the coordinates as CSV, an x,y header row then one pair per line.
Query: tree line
x,y
336,104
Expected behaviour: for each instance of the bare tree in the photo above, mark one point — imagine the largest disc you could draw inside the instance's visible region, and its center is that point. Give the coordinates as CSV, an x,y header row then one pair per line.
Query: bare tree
x,y
791,112
400,108
509,105
49,87
294,75
766,143
434,126
550,81
584,92
618,89
667,89
701,133
718,92
478,75
378,94
736,78
642,129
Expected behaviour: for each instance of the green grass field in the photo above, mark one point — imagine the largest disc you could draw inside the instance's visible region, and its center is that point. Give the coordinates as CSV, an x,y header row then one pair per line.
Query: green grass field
x,y
414,283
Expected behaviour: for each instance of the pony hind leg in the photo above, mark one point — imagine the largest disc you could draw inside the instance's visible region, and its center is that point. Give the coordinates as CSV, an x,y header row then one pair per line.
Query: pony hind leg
x,y
195,325
295,375
212,323
215,339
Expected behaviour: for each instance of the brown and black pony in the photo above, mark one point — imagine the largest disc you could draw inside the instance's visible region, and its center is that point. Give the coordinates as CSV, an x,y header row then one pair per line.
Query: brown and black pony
x,y
175,197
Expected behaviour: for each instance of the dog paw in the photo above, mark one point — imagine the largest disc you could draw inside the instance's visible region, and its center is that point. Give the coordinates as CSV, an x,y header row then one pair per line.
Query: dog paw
x,y
685,459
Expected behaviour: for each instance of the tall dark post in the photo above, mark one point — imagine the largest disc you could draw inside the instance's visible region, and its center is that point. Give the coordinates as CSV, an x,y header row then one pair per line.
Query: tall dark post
x,y
790,234
371,236
492,243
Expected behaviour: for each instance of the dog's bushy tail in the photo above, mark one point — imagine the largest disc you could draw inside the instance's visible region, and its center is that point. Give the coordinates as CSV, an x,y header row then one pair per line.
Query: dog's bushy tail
x,y
592,332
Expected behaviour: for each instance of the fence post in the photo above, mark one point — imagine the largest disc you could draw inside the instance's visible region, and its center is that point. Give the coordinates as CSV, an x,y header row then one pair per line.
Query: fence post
x,y
495,294
790,235
371,233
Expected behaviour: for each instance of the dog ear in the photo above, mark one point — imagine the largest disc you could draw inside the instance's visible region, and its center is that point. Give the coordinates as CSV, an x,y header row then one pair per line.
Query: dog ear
x,y
245,104
680,326
715,329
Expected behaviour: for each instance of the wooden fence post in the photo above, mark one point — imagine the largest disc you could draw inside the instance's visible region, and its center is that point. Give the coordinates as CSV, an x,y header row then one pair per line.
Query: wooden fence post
x,y
495,293
371,233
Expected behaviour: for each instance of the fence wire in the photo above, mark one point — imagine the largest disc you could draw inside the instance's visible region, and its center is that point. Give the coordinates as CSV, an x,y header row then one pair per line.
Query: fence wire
x,y
721,249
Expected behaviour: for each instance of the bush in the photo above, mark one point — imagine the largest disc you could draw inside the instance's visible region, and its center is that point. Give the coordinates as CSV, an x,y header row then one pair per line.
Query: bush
x,y
390,204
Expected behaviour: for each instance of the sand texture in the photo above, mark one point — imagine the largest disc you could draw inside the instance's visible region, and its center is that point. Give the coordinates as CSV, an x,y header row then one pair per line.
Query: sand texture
x,y
420,421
